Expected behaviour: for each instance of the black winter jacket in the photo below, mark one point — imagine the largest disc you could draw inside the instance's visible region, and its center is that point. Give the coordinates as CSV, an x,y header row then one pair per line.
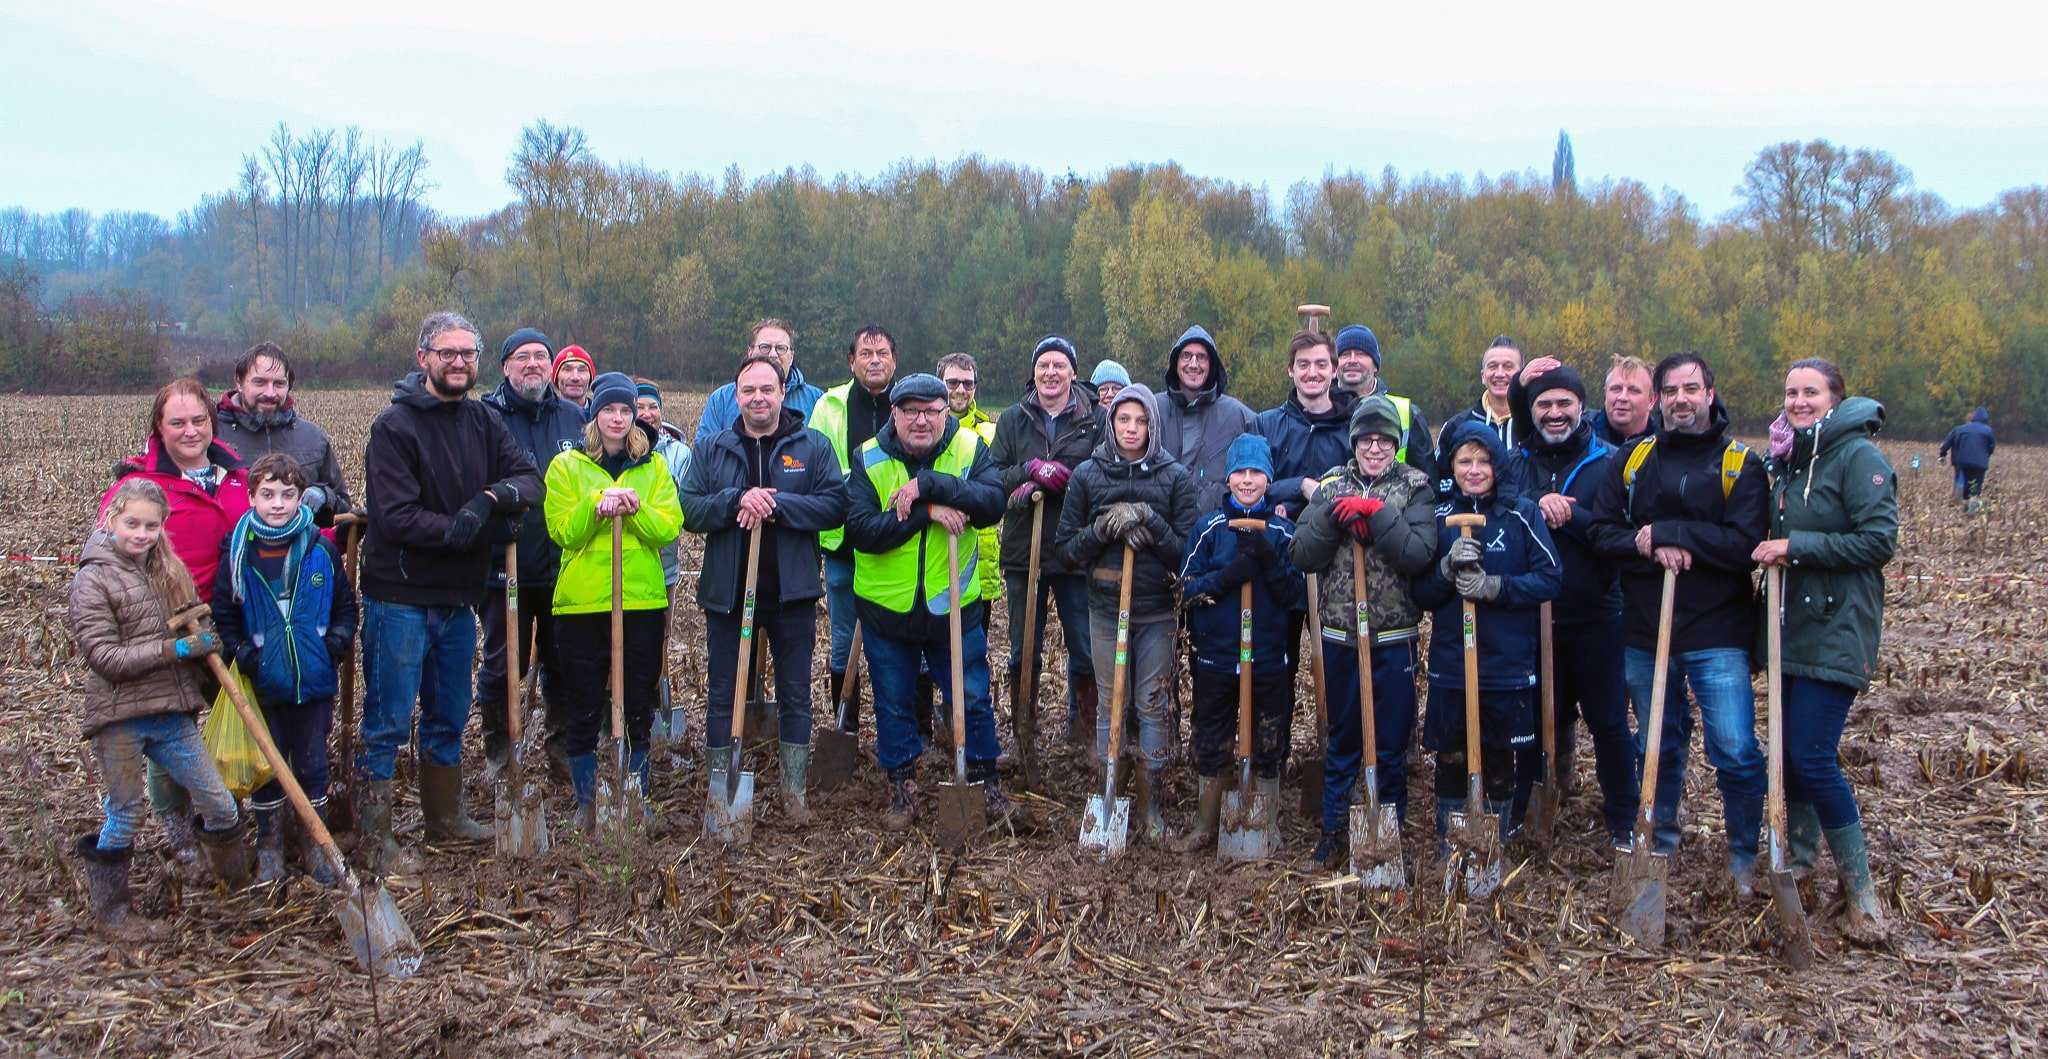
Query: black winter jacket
x,y
1678,490
425,459
810,496
1278,589
1022,436
543,428
1305,445
1157,481
870,527
1574,467
1970,445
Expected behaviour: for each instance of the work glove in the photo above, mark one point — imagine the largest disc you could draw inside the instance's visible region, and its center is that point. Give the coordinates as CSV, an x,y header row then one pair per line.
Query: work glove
x,y
469,522
1120,518
338,644
1020,497
1477,585
1242,567
1254,543
1355,513
1467,551
197,645
506,499
1139,537
1051,474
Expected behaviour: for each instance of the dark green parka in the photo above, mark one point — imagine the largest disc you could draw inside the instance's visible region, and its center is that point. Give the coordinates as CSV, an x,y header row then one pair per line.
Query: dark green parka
x,y
1835,498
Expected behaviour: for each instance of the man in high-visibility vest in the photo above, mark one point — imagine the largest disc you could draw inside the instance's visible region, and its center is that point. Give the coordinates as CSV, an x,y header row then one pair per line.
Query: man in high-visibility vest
x,y
963,380
1358,370
919,479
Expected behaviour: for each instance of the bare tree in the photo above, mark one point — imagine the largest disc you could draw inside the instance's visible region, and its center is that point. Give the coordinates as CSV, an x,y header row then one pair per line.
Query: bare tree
x,y
284,168
255,189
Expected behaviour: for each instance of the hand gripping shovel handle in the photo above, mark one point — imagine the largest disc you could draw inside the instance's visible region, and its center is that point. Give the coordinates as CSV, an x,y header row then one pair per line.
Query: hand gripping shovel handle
x,y
618,677
1774,587
1474,772
746,651
957,666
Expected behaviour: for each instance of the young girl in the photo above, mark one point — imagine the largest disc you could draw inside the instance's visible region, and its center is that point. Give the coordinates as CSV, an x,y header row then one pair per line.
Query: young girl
x,y
616,474
1509,568
287,617
141,699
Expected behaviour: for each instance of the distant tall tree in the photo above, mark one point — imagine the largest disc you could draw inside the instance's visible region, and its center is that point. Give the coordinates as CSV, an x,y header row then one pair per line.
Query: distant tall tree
x,y
1564,170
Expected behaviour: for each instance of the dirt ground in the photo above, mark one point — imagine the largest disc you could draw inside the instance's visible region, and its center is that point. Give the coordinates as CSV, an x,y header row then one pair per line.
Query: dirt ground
x,y
842,939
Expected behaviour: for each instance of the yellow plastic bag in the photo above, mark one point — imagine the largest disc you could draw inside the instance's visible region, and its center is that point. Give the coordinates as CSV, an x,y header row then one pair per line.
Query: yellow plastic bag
x,y
241,764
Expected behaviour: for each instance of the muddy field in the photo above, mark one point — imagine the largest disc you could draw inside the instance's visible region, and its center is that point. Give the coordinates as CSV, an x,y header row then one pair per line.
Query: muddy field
x,y
842,939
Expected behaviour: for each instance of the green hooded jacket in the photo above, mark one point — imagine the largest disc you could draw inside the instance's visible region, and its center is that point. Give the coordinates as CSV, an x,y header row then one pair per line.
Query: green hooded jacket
x,y
1835,498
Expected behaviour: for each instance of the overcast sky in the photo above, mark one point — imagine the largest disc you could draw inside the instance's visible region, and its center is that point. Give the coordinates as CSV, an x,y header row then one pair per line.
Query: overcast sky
x,y
150,106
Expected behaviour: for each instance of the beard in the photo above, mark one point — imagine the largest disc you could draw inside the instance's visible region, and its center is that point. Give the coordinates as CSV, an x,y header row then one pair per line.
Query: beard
x,y
1555,434
446,388
530,391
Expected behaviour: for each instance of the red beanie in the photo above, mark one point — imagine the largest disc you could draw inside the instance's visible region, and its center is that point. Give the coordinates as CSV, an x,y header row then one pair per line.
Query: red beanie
x,y
572,353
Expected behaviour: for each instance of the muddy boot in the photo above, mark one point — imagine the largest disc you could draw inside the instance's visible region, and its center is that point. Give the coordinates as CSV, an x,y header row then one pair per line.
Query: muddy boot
x,y
902,811
377,849
1081,702
1151,808
184,842
583,777
796,763
106,882
998,810
225,853
1331,851
1208,807
1863,921
1802,838
318,867
441,803
269,846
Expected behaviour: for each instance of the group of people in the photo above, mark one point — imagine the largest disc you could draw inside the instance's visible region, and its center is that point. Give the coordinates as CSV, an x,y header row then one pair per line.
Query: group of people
x,y
897,500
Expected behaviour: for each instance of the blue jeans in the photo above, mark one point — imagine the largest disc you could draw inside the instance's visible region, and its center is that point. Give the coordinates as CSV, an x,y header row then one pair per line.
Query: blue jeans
x,y
1393,719
414,654
1719,678
171,741
839,608
1068,592
893,666
1815,713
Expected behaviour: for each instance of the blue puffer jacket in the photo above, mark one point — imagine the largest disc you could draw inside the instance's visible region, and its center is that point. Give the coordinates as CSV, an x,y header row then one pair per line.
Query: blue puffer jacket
x,y
1306,444
295,645
1277,589
1971,444
1519,550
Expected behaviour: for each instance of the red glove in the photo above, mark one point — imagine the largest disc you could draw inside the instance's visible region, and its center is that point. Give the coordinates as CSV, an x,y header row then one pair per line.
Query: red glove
x,y
1020,497
1355,513
1050,474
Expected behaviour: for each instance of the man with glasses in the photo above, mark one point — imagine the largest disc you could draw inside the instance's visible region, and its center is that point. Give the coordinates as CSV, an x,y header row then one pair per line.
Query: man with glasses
x,y
770,337
958,372
543,424
438,470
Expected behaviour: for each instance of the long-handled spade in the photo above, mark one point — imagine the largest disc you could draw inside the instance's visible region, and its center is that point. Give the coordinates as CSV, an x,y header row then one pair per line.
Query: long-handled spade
x,y
1474,832
835,750
668,726
1544,797
1245,831
621,804
1638,891
368,916
729,813
962,809
520,816
341,802
1796,941
1106,823
1312,765
1024,697
1375,828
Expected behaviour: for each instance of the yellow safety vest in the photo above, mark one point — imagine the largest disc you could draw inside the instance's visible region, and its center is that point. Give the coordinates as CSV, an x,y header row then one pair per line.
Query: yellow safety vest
x,y
894,579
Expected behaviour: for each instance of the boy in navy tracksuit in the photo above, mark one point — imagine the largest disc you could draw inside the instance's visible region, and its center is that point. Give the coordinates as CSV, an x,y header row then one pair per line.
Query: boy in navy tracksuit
x,y
286,616
1220,562
1508,568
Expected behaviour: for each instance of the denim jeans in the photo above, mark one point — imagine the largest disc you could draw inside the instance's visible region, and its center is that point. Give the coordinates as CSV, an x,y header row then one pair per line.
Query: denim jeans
x,y
1068,592
1149,669
1815,713
1969,482
791,631
839,608
893,667
1719,678
1393,720
414,654
170,741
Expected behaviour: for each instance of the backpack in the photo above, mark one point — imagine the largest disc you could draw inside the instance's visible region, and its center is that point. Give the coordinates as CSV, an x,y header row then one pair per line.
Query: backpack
x,y
1731,465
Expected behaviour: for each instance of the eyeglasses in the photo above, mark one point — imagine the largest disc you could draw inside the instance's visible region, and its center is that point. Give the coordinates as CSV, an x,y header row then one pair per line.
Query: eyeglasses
x,y
915,414
771,347
959,384
1372,442
538,356
450,356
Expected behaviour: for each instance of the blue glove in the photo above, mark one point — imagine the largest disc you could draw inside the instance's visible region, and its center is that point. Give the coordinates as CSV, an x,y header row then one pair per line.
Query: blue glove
x,y
197,645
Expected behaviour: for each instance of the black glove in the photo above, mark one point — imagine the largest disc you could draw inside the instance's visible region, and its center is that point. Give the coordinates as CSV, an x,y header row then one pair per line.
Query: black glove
x,y
338,644
1255,544
1242,567
469,523
245,658
505,499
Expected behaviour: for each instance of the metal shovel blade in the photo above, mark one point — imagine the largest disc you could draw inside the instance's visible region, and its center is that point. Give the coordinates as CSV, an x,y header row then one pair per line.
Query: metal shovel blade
x,y
729,816
1795,941
835,756
1639,893
1476,857
1244,830
1544,807
1106,827
962,814
1310,777
764,721
632,804
520,817
382,942
1376,846
670,726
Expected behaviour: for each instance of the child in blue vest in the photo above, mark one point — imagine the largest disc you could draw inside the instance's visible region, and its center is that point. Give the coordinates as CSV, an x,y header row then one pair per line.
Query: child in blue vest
x,y
1221,561
287,616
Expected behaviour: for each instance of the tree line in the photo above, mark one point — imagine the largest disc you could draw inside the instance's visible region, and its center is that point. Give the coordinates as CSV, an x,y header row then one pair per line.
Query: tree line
x,y
326,244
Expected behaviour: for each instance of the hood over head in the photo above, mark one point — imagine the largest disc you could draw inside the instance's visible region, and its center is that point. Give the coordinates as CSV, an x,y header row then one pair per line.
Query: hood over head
x,y
1219,377
1981,415
1471,430
1149,401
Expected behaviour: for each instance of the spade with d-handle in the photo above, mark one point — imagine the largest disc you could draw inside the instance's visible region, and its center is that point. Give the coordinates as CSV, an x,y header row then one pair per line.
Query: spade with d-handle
x,y
520,814
729,815
1638,891
962,807
1795,940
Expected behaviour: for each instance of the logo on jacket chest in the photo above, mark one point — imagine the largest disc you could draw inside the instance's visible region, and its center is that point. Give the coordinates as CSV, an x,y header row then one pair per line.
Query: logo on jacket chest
x,y
1499,543
790,464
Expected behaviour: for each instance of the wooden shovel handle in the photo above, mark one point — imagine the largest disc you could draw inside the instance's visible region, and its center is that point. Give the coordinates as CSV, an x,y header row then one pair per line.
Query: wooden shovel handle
x,y
746,649
1370,750
1470,614
1653,731
1027,676
1123,645
956,663
512,670
1244,648
618,677
1774,599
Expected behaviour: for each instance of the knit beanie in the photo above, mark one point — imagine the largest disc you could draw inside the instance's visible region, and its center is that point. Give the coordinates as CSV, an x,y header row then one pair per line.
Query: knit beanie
x,y
569,353
613,387
1359,337
1376,415
1110,371
521,337
1562,377
647,388
1055,342
1250,452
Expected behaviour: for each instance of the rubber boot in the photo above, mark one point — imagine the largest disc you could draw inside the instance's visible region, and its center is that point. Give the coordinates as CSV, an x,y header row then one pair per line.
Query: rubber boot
x,y
318,867
379,851
796,763
1332,851
441,803
1081,703
225,853
1208,807
1802,838
269,846
106,883
1863,921
902,811
1150,809
184,842
583,777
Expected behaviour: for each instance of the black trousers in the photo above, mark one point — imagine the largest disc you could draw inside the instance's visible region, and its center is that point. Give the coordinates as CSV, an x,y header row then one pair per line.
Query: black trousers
x,y
1216,720
585,647
792,634
536,608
